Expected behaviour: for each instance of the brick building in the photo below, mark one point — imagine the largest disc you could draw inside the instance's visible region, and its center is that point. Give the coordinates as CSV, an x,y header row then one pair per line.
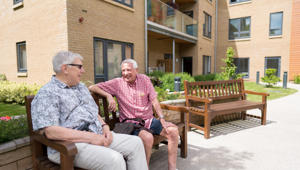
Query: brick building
x,y
172,36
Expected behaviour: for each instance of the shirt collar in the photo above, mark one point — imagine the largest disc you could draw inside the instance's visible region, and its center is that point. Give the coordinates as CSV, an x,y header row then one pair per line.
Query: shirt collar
x,y
60,83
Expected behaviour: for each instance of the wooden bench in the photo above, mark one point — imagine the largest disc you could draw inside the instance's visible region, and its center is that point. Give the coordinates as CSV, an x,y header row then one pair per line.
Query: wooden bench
x,y
213,98
68,150
111,118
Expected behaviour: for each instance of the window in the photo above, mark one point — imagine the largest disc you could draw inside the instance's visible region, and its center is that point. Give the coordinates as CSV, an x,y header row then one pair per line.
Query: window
x,y
126,2
108,55
206,64
207,25
17,1
237,1
273,62
276,23
239,28
21,57
242,66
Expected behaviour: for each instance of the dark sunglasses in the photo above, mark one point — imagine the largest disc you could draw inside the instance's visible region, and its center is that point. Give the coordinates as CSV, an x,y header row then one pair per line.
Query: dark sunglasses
x,y
76,65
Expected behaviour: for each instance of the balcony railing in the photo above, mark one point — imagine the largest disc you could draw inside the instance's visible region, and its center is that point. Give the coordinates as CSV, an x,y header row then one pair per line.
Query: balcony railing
x,y
165,15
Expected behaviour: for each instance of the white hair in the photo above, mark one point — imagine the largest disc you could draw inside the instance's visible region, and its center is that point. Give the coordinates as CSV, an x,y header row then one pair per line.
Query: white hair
x,y
64,57
132,61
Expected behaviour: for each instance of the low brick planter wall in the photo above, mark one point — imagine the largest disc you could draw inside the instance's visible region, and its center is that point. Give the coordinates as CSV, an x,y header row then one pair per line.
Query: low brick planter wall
x,y
16,155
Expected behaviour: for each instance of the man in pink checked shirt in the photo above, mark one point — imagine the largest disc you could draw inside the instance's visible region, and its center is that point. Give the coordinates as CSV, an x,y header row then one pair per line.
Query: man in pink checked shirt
x,y
136,96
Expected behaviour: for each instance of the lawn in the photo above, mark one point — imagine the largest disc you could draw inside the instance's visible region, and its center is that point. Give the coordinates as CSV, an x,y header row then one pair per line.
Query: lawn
x,y
11,109
275,92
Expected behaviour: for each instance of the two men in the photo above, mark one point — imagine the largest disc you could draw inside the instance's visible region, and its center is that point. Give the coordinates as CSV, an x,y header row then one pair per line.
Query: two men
x,y
63,109
136,96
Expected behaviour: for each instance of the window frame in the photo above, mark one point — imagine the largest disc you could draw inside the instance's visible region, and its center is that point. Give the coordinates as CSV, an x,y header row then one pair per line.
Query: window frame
x,y
17,1
279,64
238,65
21,70
239,29
238,1
124,3
209,65
105,42
280,25
207,23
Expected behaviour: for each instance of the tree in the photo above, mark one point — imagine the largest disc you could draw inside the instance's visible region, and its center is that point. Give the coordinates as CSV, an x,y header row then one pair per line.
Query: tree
x,y
270,78
229,69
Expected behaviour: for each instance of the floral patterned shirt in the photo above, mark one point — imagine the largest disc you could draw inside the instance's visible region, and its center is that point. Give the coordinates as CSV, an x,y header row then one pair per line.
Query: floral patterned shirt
x,y
56,104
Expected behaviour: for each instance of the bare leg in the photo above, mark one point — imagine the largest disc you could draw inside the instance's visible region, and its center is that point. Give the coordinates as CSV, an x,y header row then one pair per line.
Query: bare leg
x,y
172,137
147,139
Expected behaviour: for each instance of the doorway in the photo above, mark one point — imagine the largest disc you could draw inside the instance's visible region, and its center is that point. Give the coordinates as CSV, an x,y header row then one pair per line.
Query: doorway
x,y
187,65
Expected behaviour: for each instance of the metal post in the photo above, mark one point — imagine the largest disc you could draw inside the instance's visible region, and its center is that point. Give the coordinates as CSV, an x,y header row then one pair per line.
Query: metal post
x,y
177,83
257,77
284,80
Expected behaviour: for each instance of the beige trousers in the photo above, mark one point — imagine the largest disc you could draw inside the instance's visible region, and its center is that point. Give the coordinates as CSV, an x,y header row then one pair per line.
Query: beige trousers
x,y
123,147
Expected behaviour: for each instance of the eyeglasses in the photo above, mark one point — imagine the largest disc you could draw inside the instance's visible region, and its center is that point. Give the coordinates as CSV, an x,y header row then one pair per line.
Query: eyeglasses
x,y
76,65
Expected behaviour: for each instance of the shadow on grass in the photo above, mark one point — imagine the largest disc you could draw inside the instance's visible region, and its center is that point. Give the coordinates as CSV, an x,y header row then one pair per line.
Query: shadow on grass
x,y
200,158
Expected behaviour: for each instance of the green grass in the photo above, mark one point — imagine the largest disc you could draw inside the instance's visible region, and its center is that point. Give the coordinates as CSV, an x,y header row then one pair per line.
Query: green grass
x,y
11,109
275,92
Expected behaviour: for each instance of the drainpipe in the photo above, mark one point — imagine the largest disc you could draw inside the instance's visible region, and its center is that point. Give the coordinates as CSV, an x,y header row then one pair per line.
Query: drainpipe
x,y
146,38
173,56
216,38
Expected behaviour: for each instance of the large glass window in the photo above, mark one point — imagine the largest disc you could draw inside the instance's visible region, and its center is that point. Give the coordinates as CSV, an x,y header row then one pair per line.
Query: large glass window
x,y
242,66
207,25
21,57
125,2
206,64
108,55
276,23
239,28
273,62
237,1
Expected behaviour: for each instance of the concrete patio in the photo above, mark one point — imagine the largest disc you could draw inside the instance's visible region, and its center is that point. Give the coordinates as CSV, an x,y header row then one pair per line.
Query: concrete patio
x,y
245,145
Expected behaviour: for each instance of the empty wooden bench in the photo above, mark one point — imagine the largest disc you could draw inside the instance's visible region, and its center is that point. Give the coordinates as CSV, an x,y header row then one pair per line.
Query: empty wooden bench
x,y
212,98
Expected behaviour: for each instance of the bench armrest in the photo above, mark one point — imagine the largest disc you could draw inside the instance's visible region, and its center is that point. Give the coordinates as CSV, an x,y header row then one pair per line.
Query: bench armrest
x,y
181,109
256,93
198,99
64,147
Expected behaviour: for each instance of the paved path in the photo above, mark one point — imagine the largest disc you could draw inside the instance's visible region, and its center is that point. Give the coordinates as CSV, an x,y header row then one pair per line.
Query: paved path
x,y
246,145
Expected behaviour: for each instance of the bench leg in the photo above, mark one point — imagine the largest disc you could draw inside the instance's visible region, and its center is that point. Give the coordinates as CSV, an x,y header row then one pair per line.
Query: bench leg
x,y
264,115
243,115
183,143
206,126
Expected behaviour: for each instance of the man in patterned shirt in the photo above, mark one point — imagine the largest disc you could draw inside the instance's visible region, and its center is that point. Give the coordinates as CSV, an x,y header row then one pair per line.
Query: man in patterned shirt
x,y
136,96
63,109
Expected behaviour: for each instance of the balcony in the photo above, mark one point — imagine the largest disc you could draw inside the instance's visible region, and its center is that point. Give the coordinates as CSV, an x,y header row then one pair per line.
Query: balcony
x,y
169,21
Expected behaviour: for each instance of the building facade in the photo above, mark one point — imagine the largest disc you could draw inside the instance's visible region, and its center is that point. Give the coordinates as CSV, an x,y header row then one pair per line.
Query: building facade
x,y
167,35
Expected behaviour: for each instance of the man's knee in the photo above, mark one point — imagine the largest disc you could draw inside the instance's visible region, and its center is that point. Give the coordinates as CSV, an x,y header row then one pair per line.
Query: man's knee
x,y
116,161
146,137
173,132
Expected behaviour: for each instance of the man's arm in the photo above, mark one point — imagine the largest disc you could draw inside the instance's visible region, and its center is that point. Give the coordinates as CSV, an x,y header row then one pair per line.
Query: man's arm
x,y
110,99
67,134
158,110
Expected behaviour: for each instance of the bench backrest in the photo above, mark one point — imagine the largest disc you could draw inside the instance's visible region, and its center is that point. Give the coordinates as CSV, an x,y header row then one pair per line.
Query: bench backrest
x,y
216,90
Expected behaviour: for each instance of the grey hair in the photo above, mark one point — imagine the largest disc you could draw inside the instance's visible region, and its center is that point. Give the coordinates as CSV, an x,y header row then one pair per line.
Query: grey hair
x,y
64,57
132,61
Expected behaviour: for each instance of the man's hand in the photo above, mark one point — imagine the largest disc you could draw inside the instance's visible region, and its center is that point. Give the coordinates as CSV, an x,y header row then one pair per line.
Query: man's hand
x,y
108,135
111,103
97,139
164,124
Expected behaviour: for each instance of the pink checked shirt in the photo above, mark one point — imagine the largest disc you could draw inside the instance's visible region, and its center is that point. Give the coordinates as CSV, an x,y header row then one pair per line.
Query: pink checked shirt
x,y
135,99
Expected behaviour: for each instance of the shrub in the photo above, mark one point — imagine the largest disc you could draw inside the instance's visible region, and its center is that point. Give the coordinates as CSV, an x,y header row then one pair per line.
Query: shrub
x,y
229,69
168,80
2,77
154,77
163,95
11,92
13,129
297,79
206,77
156,73
270,78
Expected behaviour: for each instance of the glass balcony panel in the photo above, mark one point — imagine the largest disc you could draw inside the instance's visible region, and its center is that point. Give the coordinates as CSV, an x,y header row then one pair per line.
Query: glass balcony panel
x,y
161,13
